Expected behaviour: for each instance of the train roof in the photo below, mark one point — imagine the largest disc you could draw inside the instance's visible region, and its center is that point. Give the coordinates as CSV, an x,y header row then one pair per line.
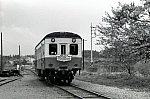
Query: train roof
x,y
62,35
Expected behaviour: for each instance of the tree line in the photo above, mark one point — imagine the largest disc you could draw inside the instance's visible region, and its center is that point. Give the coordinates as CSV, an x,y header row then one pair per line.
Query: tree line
x,y
125,34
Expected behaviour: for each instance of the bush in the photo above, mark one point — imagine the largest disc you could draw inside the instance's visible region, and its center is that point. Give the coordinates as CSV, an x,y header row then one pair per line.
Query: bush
x,y
143,68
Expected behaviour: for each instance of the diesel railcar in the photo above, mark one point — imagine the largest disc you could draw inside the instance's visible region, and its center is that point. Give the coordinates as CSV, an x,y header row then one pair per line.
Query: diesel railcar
x,y
59,57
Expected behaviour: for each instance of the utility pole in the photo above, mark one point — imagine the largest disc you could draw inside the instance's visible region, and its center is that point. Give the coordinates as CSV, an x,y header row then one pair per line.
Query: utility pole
x,y
83,54
19,59
91,47
91,42
1,54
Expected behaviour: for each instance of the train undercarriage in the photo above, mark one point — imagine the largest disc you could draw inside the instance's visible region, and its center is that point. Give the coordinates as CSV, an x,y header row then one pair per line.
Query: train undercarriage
x,y
60,76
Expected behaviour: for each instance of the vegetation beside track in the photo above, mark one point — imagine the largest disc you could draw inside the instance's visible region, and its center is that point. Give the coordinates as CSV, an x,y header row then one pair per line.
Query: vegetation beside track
x,y
122,80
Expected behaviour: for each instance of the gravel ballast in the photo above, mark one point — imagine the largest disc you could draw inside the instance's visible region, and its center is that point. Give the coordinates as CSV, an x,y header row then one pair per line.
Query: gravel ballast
x,y
113,92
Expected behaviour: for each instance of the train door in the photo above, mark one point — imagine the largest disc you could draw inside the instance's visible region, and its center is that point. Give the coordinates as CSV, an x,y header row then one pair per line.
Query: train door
x,y
63,49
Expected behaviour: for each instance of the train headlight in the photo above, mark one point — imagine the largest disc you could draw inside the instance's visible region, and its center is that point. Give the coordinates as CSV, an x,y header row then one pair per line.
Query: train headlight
x,y
50,65
73,40
75,65
52,39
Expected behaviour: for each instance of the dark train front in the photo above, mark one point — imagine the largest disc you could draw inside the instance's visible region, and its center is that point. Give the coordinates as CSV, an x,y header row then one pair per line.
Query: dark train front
x,y
59,57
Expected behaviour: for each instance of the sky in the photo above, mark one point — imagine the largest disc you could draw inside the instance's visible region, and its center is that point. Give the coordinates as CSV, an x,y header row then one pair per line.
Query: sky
x,y
26,22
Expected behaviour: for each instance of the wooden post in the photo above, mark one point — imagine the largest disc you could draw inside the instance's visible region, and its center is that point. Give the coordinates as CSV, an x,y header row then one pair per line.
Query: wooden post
x,y
19,59
1,54
83,55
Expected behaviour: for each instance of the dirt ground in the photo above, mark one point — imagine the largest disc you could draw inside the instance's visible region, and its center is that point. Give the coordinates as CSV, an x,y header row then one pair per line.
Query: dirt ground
x,y
29,87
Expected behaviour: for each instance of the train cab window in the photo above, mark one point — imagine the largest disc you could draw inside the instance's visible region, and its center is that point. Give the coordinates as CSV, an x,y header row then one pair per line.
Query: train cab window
x,y
52,49
73,49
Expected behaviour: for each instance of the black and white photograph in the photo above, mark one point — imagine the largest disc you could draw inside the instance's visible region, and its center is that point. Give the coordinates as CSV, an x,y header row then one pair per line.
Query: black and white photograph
x,y
74,49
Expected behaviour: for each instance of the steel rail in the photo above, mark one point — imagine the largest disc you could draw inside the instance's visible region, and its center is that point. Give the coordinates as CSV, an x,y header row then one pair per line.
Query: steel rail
x,y
75,93
8,81
3,80
93,92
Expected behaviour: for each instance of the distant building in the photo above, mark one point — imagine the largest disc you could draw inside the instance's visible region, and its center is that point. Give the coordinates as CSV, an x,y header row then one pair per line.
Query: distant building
x,y
29,60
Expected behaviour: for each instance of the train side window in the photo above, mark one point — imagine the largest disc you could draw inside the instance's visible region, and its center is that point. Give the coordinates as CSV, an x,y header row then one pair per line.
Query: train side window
x,y
73,49
52,49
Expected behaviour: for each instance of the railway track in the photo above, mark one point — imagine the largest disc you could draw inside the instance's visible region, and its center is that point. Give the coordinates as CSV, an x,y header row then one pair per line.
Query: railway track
x,y
81,93
6,81
77,92
32,71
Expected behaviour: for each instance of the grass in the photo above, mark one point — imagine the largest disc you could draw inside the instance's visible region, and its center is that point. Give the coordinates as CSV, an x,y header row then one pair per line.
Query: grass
x,y
117,80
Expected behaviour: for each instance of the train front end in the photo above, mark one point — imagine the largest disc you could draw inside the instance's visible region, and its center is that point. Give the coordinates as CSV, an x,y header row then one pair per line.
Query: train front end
x,y
62,57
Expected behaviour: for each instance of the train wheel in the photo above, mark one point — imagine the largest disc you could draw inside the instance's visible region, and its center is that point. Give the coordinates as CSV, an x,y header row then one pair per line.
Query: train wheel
x,y
51,78
69,80
42,78
57,80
